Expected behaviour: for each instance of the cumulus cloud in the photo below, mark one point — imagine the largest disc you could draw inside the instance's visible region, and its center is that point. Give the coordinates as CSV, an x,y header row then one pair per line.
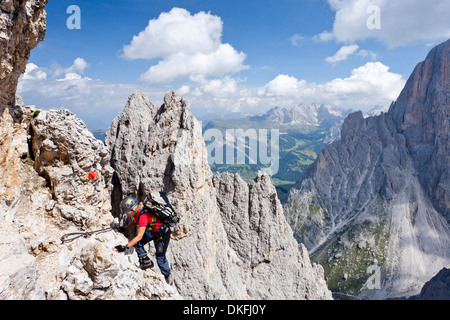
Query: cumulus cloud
x,y
79,66
32,72
343,53
401,22
96,101
283,86
368,85
188,46
196,66
69,87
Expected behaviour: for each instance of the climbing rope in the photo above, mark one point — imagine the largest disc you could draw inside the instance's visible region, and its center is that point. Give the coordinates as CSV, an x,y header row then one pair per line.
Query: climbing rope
x,y
75,235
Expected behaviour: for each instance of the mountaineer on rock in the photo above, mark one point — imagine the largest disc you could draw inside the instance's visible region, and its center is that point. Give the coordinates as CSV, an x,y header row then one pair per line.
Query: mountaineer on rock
x,y
150,227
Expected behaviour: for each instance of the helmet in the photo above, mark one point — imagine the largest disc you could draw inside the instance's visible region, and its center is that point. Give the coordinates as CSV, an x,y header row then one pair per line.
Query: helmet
x,y
127,204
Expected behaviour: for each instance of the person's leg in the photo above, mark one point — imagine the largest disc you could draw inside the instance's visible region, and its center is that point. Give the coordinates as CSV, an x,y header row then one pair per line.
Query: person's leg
x,y
144,260
140,250
161,245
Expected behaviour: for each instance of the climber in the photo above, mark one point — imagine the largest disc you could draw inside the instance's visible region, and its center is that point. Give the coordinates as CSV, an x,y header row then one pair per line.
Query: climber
x,y
150,227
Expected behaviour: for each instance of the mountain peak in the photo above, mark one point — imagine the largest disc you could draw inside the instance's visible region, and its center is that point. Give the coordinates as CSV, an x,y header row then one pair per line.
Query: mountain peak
x,y
426,91
304,114
379,198
422,115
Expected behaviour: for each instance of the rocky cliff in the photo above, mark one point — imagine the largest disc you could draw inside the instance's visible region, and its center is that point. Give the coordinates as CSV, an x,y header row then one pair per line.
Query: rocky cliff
x,y
45,191
22,27
438,288
56,179
378,198
233,241
56,198
422,115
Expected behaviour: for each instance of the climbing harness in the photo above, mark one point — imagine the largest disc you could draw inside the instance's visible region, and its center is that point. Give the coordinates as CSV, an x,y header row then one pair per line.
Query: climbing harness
x,y
75,235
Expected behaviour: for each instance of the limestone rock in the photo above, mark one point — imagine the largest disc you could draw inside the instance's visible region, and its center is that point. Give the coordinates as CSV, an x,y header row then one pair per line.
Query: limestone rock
x,y
90,270
422,115
259,234
64,153
438,288
386,181
22,27
41,267
212,255
19,276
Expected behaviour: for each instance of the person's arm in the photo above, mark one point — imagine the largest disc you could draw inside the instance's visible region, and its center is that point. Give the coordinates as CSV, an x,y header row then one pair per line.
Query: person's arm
x,y
135,240
140,235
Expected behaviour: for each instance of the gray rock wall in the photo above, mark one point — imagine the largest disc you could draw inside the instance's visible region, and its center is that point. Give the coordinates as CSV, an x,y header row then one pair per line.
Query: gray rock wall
x,y
223,248
385,184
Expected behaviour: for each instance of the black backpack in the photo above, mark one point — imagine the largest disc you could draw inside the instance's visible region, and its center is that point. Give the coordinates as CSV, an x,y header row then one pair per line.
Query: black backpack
x,y
158,203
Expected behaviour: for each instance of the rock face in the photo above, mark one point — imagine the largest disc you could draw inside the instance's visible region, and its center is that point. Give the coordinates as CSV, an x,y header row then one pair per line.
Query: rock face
x,y
438,288
378,198
55,178
257,231
65,153
22,27
231,237
422,115
57,198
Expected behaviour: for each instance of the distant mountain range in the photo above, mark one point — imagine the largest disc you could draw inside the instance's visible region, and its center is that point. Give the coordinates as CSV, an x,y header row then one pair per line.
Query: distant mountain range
x,y
304,131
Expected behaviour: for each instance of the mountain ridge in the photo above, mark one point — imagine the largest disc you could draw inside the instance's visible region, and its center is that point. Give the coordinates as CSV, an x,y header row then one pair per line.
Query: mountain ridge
x,y
57,181
379,195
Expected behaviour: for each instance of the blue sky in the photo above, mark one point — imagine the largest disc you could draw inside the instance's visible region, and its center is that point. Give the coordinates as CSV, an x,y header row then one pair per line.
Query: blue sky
x,y
229,56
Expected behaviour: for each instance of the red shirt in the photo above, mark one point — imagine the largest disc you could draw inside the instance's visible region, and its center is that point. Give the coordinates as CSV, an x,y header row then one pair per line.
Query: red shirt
x,y
148,220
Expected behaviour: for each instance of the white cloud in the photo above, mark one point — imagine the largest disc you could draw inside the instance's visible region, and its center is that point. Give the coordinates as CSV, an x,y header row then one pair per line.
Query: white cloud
x,y
196,66
79,66
32,72
295,39
343,53
282,86
371,84
183,90
323,37
96,101
368,53
71,76
220,87
188,46
401,21
368,85
176,31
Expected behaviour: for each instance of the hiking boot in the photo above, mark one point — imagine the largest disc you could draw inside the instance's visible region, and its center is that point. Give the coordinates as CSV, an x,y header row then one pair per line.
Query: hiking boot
x,y
145,263
169,279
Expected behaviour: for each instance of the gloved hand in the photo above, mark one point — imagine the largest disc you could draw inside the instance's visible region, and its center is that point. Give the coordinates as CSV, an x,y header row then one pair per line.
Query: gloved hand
x,y
121,248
